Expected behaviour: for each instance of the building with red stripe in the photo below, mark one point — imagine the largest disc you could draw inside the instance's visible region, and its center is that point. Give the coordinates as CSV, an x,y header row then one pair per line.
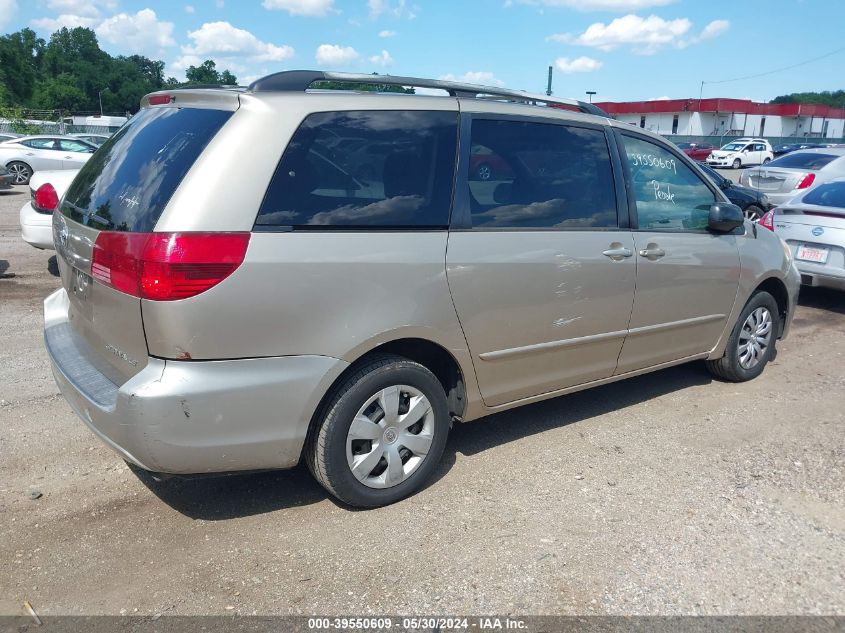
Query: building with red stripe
x,y
730,117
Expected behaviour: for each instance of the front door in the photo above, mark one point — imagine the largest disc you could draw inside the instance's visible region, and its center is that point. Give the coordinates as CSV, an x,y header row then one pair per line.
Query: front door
x,y
542,272
687,277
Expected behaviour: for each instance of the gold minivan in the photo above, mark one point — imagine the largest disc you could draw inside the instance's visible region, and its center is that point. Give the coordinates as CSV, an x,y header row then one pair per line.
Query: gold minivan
x,y
256,276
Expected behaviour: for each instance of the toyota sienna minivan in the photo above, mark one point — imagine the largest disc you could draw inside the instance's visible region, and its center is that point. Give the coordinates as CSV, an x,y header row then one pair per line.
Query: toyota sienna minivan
x,y
256,276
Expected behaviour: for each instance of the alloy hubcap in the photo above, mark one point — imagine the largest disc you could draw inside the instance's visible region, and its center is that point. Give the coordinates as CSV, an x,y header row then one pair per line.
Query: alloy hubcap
x,y
20,172
390,436
755,337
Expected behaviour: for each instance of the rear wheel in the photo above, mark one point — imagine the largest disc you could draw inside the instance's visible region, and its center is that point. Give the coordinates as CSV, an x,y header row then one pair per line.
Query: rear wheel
x,y
381,433
21,171
752,342
737,163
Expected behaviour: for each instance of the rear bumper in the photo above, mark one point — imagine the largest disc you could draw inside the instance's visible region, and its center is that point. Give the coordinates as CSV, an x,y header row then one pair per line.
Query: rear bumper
x,y
36,228
187,417
822,279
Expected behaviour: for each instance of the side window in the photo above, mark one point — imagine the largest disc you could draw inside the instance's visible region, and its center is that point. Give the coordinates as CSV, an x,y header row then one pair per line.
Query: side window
x,y
759,147
73,146
669,195
40,143
371,169
540,175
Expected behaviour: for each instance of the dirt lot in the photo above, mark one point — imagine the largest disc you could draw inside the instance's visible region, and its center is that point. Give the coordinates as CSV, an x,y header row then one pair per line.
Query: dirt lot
x,y
666,494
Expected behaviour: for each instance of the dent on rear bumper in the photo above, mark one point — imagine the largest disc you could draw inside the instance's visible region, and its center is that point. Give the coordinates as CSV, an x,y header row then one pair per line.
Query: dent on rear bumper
x,y
203,416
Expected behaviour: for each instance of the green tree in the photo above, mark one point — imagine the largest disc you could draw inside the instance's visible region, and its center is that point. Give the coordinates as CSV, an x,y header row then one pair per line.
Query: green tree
x,y
75,55
60,93
207,74
834,98
21,55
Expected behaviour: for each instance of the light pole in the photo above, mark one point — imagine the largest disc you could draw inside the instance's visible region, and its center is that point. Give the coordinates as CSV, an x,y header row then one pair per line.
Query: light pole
x,y
591,93
100,96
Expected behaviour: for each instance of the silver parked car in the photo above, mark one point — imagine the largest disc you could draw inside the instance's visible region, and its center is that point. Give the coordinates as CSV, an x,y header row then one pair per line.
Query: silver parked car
x,y
25,155
252,277
792,174
813,225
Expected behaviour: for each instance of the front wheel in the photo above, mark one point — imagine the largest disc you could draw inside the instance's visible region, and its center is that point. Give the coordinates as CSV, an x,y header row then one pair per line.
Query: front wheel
x,y
767,160
381,434
737,163
752,342
21,172
753,212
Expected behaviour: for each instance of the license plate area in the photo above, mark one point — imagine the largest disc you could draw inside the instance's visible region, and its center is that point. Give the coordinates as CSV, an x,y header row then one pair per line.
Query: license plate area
x,y
812,254
80,284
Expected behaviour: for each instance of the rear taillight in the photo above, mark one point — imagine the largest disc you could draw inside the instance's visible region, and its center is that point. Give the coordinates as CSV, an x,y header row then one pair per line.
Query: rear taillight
x,y
806,181
46,199
166,266
768,220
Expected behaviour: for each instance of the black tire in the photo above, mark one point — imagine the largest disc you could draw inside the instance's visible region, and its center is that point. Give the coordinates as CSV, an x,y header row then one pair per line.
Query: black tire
x,y
728,367
767,160
753,212
737,164
325,450
21,171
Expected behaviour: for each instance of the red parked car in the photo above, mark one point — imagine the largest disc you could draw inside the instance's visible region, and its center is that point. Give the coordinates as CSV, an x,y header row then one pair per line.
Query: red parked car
x,y
696,151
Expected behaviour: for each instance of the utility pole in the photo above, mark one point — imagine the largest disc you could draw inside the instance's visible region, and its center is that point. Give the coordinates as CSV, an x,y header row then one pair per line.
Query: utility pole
x,y
549,84
591,93
100,95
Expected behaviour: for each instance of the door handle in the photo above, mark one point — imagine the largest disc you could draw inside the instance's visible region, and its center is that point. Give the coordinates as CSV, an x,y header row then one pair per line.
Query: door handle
x,y
617,252
652,251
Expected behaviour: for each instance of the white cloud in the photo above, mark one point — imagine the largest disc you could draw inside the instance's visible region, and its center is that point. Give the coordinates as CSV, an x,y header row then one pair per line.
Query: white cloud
x,y
383,59
600,5
577,65
8,8
335,55
398,9
664,98
64,21
140,33
645,36
386,33
89,8
221,39
311,8
482,78
714,29
190,9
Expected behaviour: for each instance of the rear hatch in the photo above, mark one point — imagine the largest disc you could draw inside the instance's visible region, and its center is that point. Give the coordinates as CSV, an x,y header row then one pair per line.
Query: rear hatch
x,y
814,228
111,207
792,172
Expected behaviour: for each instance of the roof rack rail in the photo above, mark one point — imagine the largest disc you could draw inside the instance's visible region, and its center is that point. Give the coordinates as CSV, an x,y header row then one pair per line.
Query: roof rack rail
x,y
301,80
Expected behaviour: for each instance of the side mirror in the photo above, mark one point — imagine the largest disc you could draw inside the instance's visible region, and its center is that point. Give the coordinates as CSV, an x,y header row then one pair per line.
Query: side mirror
x,y
725,217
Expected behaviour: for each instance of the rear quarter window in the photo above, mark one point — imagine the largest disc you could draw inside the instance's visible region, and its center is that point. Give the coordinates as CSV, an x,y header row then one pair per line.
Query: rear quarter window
x,y
365,169
127,183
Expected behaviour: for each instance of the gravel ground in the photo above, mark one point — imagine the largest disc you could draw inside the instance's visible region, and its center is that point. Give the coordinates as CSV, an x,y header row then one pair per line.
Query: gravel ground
x,y
665,494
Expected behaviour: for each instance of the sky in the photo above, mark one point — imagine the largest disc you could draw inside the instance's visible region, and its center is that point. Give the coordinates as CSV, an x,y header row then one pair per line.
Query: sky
x,y
621,49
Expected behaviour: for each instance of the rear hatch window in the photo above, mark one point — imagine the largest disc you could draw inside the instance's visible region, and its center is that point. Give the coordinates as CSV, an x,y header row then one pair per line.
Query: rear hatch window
x,y
127,183
811,161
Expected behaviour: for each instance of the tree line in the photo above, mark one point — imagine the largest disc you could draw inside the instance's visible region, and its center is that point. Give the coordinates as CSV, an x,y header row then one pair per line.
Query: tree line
x,y
70,72
834,98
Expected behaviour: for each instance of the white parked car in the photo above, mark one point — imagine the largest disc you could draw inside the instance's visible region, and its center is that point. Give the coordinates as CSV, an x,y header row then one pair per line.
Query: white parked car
x,y
813,226
26,155
741,153
46,189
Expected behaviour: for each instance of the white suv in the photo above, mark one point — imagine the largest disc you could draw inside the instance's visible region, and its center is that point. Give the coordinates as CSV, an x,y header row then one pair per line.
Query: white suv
x,y
741,153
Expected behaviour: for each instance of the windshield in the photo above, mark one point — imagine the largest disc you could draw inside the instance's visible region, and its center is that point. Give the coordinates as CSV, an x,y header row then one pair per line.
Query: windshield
x,y
831,194
129,180
733,147
804,160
